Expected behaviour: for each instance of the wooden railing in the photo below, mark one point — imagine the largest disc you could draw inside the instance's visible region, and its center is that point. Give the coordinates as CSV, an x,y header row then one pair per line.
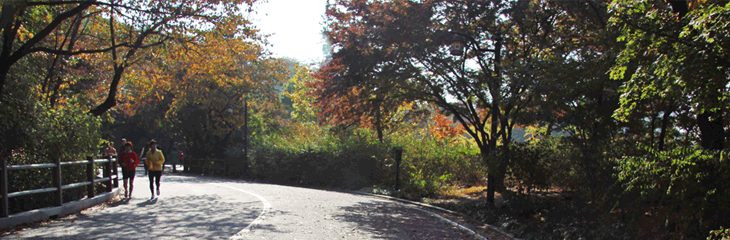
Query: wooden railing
x,y
221,167
109,175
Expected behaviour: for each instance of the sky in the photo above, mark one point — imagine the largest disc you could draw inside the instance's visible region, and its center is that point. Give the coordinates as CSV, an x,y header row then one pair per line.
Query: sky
x,y
295,26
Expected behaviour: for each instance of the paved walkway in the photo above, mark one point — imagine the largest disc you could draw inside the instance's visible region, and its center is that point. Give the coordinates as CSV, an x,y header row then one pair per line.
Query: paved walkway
x,y
208,208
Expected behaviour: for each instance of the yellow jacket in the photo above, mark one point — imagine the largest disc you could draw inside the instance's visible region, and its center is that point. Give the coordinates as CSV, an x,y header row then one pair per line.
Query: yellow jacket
x,y
154,160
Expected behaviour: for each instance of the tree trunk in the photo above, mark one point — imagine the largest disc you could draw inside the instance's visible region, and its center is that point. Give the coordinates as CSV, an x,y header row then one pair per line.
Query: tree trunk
x,y
490,177
652,126
378,121
486,152
4,70
502,170
10,29
665,123
504,154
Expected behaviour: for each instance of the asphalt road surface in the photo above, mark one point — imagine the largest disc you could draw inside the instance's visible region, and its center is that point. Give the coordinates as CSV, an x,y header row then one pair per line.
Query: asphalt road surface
x,y
209,208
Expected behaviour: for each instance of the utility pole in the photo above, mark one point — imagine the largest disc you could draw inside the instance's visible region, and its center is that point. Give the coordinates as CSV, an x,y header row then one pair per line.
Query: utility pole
x,y
245,135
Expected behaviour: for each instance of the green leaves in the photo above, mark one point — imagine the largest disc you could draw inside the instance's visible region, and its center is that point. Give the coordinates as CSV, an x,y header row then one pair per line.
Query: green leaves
x,y
669,58
300,95
683,176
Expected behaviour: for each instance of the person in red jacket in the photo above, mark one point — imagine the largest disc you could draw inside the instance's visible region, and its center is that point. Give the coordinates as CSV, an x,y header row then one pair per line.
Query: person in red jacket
x,y
128,160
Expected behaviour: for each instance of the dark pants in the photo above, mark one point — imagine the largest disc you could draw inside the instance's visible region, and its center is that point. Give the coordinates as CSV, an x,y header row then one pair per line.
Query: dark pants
x,y
128,174
155,175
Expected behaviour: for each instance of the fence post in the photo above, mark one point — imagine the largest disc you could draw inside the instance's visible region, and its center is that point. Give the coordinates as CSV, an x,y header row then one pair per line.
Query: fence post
x,y
90,177
115,172
57,182
398,155
108,174
4,210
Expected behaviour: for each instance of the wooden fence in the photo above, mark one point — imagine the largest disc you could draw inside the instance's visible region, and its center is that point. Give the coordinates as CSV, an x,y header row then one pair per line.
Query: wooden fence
x,y
109,175
220,167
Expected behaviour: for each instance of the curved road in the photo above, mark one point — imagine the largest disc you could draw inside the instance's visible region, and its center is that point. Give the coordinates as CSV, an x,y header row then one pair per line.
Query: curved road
x,y
208,208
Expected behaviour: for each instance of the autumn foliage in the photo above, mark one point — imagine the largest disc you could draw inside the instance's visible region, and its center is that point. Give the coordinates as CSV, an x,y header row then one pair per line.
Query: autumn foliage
x,y
444,128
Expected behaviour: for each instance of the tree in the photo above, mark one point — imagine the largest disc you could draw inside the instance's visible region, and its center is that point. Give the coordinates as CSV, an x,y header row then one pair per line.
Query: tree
x,y
674,64
129,27
346,104
299,94
199,90
398,46
679,49
573,93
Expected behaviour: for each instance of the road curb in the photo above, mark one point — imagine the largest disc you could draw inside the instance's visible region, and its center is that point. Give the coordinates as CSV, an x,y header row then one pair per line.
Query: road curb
x,y
59,211
440,209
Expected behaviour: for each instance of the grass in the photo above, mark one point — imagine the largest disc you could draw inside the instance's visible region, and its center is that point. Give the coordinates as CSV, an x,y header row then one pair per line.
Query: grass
x,y
463,192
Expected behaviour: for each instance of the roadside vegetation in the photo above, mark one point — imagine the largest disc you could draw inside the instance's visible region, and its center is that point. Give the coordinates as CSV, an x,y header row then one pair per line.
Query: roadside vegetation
x,y
587,119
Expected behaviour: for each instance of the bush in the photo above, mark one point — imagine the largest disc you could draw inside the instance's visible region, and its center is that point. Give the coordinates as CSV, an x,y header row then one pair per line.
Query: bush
x,y
690,187
544,163
32,132
313,157
316,156
430,164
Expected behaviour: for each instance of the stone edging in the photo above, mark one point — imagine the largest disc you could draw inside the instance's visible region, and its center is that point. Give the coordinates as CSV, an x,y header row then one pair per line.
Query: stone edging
x,y
59,211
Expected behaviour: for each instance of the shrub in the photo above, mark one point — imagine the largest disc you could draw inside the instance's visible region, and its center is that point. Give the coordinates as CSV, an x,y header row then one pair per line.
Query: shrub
x,y
429,164
43,134
690,186
547,162
317,156
314,157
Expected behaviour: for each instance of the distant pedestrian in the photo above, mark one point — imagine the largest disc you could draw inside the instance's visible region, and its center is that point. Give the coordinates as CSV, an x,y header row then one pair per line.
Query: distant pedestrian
x,y
143,154
181,157
128,160
172,160
121,147
110,151
155,161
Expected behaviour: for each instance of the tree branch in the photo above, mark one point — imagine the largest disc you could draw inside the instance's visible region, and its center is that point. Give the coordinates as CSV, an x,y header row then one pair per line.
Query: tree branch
x,y
92,51
25,49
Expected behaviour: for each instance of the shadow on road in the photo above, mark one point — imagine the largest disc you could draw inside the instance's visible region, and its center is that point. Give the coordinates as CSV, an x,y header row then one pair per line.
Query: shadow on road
x,y
147,203
393,221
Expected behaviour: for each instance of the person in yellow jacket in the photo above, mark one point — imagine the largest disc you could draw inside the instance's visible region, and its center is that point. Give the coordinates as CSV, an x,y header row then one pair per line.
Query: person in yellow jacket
x,y
154,160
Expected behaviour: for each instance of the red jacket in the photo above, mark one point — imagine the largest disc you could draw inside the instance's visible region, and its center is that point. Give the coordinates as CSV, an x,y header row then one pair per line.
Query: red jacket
x,y
128,160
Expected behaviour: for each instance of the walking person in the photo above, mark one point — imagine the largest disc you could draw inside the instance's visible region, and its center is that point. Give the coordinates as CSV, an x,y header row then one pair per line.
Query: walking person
x,y
155,161
142,154
172,160
121,147
128,160
181,157
110,152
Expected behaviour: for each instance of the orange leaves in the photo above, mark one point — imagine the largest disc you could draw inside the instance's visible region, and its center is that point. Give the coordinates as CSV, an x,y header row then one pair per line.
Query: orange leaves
x,y
443,127
24,34
214,70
